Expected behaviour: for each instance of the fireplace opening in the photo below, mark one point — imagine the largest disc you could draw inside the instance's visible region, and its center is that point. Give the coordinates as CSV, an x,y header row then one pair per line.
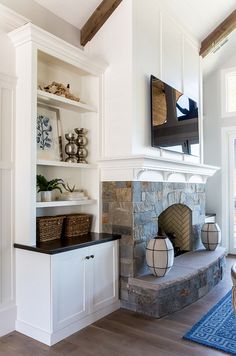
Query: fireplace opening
x,y
176,223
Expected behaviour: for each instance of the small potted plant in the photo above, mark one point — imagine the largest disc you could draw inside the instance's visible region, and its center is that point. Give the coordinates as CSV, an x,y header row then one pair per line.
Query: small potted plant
x,y
46,187
71,193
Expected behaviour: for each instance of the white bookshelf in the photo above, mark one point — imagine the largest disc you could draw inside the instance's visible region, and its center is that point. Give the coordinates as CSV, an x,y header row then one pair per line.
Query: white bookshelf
x,y
41,162
61,203
61,102
42,59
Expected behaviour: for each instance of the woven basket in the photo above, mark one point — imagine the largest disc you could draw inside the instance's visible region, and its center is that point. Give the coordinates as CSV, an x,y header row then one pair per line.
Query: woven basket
x,y
77,224
49,227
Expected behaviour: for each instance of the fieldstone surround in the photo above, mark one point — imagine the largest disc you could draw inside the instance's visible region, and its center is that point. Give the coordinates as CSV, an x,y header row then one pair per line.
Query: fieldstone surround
x,y
132,208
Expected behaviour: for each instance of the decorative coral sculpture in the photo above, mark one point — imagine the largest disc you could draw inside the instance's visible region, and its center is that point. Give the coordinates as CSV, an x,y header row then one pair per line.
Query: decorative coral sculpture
x,y
60,90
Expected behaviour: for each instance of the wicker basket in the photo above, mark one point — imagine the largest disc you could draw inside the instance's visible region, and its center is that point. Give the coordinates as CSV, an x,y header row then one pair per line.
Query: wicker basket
x,y
77,224
49,227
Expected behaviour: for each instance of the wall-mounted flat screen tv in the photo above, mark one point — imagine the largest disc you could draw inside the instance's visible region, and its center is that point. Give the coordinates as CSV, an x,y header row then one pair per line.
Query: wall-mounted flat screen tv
x,y
174,119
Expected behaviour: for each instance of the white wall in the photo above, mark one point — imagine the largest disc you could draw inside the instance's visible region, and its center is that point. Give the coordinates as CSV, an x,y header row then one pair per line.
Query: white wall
x,y
113,43
45,19
163,48
138,40
214,123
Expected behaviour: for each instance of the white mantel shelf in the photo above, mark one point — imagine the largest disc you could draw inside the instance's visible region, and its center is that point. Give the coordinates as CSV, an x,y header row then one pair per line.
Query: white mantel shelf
x,y
150,168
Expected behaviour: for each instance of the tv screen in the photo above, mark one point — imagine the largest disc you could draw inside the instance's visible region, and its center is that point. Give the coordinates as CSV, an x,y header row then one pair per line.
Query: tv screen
x,y
174,119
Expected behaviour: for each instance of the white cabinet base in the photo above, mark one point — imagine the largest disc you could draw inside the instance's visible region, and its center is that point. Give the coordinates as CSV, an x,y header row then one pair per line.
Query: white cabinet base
x,y
59,294
51,339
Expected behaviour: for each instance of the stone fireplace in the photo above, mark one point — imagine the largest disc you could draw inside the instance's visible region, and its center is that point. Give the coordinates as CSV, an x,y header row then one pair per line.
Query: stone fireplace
x,y
133,209
141,194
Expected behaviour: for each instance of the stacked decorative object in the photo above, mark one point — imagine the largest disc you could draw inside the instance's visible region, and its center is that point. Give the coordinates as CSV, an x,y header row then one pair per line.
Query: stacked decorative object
x,y
82,141
211,236
71,148
160,255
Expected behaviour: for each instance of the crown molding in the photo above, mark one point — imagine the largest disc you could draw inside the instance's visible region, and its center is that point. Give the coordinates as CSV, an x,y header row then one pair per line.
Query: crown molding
x,y
10,20
56,47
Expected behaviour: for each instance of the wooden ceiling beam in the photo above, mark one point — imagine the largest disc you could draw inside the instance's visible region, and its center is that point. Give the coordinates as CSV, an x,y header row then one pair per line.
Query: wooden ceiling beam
x,y
97,19
218,35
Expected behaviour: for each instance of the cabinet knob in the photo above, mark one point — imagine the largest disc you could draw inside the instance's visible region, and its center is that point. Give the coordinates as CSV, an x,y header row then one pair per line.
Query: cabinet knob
x,y
92,256
87,257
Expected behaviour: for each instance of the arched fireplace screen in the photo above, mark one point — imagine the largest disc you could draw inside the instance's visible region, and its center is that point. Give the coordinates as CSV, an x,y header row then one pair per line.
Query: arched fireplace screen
x,y
176,222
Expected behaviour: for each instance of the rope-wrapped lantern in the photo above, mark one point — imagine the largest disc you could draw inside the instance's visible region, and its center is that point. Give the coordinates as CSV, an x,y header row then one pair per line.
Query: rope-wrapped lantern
x,y
211,236
160,255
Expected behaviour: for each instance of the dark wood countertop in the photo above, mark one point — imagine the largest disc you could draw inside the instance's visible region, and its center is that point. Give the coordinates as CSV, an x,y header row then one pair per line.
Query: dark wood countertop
x,y
62,245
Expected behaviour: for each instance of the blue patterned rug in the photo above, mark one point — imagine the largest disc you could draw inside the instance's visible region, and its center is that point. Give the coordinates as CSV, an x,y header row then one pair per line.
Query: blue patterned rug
x,y
217,328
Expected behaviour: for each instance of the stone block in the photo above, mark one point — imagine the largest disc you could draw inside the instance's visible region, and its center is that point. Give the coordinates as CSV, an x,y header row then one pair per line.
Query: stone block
x,y
108,191
126,240
126,267
143,206
105,207
126,252
136,192
140,265
121,213
143,218
123,184
105,218
122,230
123,194
107,228
200,188
158,208
146,231
150,197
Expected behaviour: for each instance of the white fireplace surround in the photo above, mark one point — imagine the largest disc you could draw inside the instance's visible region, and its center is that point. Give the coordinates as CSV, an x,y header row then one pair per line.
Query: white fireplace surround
x,y
154,169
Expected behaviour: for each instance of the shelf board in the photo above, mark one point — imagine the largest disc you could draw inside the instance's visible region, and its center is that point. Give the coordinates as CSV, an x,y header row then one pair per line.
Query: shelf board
x,y
58,203
41,162
61,102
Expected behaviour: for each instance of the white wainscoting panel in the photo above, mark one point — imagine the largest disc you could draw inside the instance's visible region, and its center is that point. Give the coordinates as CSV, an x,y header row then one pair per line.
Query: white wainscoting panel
x,y
7,298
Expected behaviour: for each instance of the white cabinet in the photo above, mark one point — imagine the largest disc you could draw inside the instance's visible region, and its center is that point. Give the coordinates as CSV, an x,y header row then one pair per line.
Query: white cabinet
x,y
70,282
104,276
84,281
62,293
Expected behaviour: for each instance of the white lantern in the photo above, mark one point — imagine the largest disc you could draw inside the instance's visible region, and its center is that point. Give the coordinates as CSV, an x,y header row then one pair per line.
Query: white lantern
x,y
211,236
160,256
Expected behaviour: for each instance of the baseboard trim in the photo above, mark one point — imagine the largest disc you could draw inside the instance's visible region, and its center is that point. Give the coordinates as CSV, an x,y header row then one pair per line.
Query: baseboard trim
x,y
52,338
7,319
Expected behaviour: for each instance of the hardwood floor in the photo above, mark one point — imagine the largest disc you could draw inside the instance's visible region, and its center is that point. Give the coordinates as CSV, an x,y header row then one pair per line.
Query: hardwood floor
x,y
128,334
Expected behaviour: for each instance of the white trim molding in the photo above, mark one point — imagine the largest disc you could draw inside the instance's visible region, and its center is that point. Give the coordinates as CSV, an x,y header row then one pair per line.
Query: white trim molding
x,y
149,168
228,135
10,20
7,319
225,73
54,46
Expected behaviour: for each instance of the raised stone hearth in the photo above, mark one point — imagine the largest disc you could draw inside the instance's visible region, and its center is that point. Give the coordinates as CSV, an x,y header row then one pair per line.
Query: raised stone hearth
x,y
193,275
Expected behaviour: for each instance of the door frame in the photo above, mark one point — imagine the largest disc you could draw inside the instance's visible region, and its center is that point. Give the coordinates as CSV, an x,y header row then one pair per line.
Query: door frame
x,y
228,135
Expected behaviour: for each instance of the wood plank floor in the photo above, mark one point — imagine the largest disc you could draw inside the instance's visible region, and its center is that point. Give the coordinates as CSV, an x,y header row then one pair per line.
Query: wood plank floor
x,y
124,333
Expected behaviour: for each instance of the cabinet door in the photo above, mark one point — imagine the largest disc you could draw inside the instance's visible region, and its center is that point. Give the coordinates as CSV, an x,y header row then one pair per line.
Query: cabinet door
x,y
70,283
105,275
